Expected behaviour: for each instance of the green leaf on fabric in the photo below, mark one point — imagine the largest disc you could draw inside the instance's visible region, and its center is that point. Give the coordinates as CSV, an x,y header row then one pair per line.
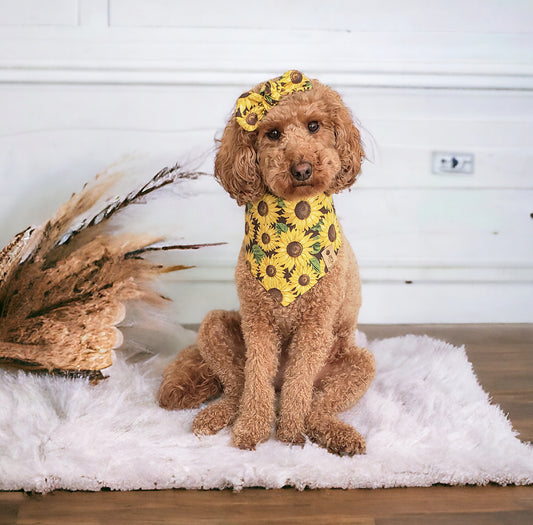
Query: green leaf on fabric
x,y
318,226
316,248
281,227
315,264
258,253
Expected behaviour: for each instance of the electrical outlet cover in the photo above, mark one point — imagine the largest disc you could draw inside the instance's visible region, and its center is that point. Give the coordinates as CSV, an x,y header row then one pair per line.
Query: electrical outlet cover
x,y
449,163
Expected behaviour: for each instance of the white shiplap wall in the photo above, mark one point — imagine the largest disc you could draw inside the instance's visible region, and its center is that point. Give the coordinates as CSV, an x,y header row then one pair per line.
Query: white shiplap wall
x,y
84,83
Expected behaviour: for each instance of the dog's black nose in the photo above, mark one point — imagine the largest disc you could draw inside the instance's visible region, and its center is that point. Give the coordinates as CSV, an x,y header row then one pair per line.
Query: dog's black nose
x,y
301,170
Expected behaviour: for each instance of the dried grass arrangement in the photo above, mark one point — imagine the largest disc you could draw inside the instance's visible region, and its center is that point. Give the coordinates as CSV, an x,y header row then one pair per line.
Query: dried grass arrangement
x,y
64,284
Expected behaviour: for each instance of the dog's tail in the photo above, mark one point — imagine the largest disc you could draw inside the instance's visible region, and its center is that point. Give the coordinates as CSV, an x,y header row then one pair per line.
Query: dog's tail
x,y
188,381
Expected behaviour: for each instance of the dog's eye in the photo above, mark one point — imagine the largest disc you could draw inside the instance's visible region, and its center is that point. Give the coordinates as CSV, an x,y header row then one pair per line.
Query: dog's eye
x,y
313,126
274,134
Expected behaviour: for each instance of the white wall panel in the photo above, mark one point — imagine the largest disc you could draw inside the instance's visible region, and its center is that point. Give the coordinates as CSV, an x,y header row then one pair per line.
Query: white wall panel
x,y
38,13
84,84
487,16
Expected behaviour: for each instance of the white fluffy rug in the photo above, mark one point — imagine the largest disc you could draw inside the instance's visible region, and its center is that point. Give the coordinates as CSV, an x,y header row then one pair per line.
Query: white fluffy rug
x,y
425,418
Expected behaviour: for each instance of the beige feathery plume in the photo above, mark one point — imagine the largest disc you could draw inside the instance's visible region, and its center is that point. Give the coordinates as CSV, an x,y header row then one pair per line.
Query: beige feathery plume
x,y
64,285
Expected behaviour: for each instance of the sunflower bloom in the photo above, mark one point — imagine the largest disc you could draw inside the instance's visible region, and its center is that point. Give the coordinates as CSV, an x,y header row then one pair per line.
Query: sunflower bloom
x,y
267,238
265,211
303,213
271,272
303,281
293,80
250,110
295,249
330,234
250,231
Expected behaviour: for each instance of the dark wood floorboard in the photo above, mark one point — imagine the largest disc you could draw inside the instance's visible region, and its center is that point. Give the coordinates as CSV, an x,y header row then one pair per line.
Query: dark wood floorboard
x,y
502,356
443,505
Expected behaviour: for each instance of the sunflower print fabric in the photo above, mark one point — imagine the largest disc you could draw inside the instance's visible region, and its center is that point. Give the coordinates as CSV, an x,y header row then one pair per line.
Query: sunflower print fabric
x,y
290,245
252,107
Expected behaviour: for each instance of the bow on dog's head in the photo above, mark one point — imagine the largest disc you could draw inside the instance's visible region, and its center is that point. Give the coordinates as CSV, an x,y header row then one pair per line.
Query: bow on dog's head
x,y
252,107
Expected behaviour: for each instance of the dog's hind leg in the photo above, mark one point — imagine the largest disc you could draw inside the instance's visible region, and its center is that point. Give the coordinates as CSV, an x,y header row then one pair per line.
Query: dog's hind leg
x,y
221,345
344,381
187,381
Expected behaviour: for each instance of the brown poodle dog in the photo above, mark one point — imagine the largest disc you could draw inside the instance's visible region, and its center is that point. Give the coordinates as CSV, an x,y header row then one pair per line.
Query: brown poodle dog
x,y
303,145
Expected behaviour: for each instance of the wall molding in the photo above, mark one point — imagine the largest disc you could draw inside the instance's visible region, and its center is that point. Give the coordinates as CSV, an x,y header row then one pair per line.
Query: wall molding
x,y
176,75
237,56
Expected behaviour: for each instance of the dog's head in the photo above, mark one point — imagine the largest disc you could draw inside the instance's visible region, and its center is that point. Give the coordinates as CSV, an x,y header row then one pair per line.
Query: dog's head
x,y
304,145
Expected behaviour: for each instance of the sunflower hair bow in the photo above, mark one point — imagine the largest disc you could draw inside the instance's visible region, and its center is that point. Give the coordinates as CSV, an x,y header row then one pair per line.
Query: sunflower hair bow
x,y
252,107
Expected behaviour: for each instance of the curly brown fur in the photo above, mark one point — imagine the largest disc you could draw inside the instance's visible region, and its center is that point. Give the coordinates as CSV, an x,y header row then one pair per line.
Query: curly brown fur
x,y
188,381
307,349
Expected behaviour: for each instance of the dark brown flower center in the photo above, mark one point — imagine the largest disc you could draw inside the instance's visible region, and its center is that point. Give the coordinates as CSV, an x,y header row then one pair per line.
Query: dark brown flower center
x,y
332,233
296,77
304,280
302,210
270,270
262,208
295,249
251,118
276,294
265,238
246,228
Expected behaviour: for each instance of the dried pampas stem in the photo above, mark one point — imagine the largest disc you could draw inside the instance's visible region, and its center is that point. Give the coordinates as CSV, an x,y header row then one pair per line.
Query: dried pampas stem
x,y
64,285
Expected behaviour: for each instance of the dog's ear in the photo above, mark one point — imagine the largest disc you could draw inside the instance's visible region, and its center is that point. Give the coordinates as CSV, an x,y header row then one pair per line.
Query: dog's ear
x,y
348,144
236,166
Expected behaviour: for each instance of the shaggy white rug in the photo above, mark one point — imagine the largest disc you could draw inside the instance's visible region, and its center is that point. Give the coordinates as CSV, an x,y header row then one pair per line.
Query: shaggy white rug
x,y
426,420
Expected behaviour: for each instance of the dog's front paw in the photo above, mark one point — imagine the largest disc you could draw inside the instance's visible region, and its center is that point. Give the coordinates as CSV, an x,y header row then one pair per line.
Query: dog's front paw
x,y
290,431
247,432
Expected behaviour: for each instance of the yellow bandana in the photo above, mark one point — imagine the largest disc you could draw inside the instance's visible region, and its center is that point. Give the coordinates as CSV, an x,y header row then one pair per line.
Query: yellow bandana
x,y
290,245
252,107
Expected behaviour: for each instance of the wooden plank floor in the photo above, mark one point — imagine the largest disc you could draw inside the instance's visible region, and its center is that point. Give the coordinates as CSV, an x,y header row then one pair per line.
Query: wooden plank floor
x,y
502,356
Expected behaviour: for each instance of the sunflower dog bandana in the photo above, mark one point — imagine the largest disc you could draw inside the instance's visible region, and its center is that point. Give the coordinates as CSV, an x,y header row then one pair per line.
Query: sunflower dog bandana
x,y
252,107
290,245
